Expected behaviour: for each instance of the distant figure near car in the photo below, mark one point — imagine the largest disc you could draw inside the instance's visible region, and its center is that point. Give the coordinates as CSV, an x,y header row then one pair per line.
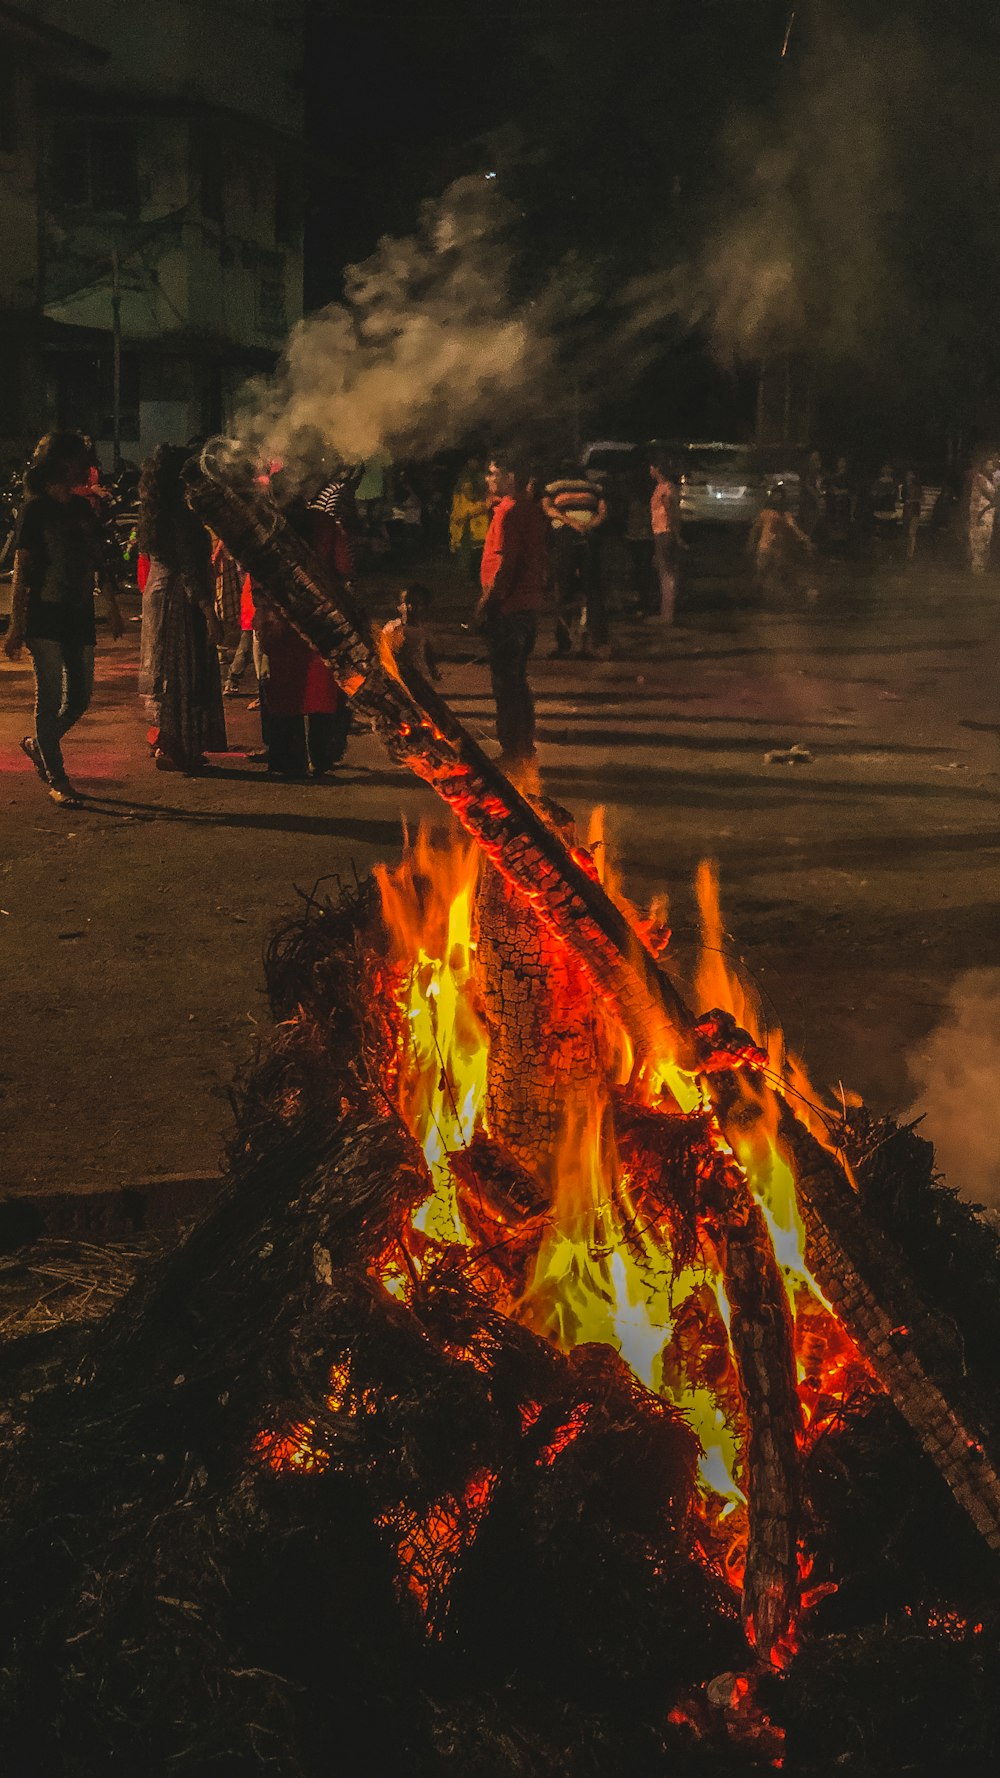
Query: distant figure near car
x,y
665,518
982,513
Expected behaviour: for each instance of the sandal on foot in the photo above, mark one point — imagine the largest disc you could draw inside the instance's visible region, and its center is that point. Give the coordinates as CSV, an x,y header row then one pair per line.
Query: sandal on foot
x,y
29,747
65,796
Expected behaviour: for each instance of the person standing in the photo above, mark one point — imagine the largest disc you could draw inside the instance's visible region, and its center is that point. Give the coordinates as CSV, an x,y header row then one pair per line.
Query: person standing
x,y
840,508
577,511
58,557
639,549
179,675
812,496
665,517
982,514
514,575
782,552
885,505
469,519
305,716
913,500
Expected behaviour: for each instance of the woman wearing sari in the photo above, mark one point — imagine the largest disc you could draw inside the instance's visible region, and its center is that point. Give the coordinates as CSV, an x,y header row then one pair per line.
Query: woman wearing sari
x,y
179,663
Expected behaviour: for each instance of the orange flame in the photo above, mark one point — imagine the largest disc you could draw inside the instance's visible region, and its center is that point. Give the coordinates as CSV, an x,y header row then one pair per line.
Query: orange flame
x,y
600,1272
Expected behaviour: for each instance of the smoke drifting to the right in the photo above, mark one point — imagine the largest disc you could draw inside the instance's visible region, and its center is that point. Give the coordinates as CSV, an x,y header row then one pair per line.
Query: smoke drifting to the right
x,y
796,252
956,1073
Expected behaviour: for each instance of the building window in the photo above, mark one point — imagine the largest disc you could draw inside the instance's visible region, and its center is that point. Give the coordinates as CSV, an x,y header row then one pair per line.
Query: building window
x,y
94,165
271,305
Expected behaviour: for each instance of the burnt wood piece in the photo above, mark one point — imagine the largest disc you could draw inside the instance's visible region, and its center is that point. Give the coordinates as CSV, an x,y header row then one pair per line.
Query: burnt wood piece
x,y
861,1274
420,732
763,1342
503,1206
546,1062
662,1152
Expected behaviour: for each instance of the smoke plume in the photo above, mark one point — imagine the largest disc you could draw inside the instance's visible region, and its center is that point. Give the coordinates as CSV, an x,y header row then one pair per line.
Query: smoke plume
x,y
956,1075
795,251
428,345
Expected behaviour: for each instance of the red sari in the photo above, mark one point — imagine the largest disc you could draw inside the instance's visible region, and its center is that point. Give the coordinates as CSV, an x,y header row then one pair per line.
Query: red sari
x,y
300,683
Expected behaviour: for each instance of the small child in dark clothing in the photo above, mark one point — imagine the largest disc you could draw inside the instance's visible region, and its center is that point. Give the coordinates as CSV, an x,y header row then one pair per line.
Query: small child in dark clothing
x,y
409,634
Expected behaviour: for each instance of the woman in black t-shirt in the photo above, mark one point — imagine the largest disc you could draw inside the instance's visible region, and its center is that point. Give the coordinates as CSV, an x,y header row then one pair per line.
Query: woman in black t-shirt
x,y
57,561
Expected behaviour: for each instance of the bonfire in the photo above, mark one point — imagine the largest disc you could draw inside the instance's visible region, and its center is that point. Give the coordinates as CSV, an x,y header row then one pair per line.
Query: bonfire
x,y
559,1385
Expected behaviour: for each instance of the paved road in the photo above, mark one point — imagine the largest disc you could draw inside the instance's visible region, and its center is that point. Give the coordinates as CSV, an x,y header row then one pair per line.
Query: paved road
x,y
858,886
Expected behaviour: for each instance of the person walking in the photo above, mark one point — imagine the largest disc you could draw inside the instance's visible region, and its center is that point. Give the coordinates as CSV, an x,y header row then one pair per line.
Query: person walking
x,y
58,557
179,675
515,573
577,512
665,518
982,513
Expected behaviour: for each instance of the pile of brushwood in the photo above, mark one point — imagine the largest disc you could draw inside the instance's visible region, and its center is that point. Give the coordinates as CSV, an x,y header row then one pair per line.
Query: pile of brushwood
x,y
466,1556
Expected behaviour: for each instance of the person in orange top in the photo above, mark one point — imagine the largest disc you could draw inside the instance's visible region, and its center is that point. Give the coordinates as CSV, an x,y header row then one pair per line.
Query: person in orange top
x,y
665,518
781,550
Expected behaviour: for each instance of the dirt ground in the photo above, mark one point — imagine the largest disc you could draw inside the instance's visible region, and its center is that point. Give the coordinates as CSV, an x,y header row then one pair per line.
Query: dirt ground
x,y
857,886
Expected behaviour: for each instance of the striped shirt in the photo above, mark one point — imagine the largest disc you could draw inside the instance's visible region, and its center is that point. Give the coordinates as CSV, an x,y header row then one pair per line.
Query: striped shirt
x,y
575,496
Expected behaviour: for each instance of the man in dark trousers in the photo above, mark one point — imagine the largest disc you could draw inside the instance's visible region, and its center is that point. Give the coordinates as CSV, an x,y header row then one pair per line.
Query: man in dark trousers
x,y
514,574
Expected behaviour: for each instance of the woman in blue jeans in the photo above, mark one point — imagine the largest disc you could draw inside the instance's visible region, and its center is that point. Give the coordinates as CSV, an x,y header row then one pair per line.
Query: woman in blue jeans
x,y
58,558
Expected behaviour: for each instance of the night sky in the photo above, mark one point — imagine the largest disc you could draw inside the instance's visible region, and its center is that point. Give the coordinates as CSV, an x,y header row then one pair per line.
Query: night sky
x,y
613,128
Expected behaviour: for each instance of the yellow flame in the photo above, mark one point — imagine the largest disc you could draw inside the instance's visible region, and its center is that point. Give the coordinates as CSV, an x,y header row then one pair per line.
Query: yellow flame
x,y
599,1275
428,905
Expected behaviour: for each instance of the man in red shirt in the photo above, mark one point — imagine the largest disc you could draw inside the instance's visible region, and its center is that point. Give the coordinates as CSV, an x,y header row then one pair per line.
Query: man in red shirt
x,y
515,574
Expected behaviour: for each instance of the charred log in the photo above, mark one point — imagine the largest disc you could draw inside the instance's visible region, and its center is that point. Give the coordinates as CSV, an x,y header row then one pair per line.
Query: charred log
x,y
764,1351
862,1275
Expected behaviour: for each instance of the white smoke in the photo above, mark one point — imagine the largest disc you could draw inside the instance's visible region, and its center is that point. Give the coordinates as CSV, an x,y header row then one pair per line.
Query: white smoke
x,y
956,1074
427,346
794,253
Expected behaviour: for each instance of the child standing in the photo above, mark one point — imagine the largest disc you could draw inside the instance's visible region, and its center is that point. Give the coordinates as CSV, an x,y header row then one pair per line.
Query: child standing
x,y
409,635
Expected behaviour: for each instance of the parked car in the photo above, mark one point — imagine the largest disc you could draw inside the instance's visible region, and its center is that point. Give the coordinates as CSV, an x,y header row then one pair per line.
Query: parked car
x,y
726,484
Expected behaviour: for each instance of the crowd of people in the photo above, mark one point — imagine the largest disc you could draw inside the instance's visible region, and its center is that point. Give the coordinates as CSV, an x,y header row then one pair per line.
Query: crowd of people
x,y
527,543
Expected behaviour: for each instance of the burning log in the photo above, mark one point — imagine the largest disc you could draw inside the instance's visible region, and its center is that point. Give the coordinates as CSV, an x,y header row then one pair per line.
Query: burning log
x,y
420,732
548,1051
863,1278
677,1175
764,1351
